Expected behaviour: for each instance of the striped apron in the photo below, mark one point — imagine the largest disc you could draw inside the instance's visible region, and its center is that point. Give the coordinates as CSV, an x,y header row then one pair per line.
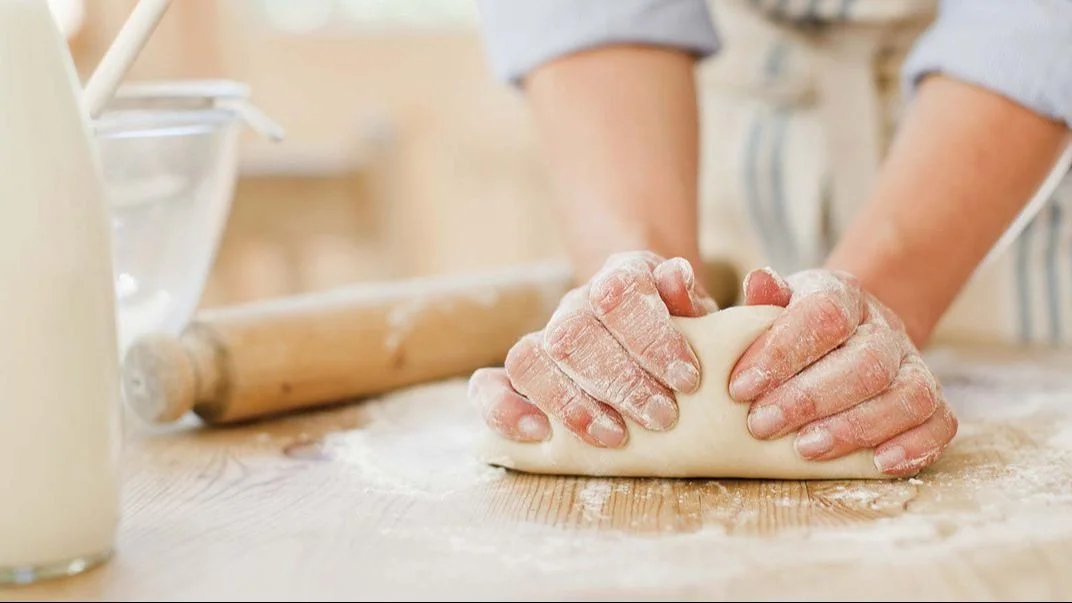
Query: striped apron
x,y
798,111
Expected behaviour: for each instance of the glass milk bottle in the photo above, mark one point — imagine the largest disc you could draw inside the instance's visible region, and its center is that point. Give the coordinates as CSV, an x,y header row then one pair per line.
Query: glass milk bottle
x,y
60,426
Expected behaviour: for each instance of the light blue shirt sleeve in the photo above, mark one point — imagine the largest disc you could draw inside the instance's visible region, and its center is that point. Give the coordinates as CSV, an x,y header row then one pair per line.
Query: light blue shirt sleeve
x,y
1021,49
520,35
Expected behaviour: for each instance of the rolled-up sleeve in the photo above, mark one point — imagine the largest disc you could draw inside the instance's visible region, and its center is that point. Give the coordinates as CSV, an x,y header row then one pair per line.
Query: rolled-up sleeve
x,y
1021,49
520,35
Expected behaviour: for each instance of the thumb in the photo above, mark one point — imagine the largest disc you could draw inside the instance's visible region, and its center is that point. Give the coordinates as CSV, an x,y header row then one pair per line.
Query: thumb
x,y
683,296
764,287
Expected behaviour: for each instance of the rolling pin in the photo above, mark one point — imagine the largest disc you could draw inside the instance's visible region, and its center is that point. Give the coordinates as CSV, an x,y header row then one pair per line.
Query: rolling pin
x,y
263,358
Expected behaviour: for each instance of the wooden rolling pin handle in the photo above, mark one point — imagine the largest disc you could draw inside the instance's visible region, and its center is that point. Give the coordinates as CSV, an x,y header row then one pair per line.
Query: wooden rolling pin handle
x,y
279,355
276,356
165,376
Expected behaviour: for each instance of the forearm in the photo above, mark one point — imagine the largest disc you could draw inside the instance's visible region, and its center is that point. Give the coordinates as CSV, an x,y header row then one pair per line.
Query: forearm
x,y
619,128
964,164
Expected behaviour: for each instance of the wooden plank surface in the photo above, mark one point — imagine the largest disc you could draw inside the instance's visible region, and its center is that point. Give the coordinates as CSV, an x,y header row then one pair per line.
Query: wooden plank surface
x,y
381,500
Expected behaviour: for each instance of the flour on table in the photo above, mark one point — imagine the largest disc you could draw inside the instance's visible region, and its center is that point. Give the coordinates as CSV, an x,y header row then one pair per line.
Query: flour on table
x,y
593,496
415,441
1002,485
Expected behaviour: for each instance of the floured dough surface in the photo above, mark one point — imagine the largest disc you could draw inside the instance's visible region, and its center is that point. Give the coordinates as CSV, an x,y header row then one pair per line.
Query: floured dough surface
x,y
711,438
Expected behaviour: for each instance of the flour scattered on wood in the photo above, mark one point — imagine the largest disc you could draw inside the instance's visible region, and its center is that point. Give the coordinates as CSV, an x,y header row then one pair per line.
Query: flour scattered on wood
x,y
416,441
1003,484
593,496
858,494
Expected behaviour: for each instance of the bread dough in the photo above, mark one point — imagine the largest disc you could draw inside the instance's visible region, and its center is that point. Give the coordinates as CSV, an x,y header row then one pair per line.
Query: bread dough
x,y
711,439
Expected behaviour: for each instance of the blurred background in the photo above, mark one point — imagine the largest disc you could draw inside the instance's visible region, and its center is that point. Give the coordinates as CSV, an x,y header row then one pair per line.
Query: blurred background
x,y
402,156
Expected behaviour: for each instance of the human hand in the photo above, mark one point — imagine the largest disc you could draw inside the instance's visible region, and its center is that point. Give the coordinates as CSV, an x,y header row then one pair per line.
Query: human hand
x,y
839,367
609,351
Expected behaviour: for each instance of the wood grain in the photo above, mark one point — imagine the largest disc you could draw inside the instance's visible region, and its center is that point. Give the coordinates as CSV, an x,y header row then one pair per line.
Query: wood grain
x,y
379,500
254,360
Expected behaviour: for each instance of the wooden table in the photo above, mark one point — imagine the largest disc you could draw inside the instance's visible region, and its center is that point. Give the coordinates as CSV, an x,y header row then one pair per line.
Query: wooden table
x,y
380,500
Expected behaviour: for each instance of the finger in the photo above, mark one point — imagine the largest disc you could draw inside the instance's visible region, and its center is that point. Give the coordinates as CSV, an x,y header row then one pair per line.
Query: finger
x,y
822,314
676,281
626,301
587,353
913,450
861,368
882,316
911,399
764,287
505,410
535,376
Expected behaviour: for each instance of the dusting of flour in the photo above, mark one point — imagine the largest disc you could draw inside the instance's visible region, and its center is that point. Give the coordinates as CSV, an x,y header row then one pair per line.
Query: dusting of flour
x,y
416,441
1004,485
592,497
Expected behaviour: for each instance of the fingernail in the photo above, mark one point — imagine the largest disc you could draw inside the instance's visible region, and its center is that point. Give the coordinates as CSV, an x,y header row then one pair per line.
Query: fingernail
x,y
816,442
606,431
766,421
683,376
533,428
890,459
746,386
660,413
777,278
685,269
748,279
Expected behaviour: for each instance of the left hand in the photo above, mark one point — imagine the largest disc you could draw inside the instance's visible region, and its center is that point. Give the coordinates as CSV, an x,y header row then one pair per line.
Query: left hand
x,y
609,352
838,368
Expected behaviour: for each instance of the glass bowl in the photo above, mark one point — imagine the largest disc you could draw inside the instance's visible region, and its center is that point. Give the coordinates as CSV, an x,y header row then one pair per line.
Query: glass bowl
x,y
169,155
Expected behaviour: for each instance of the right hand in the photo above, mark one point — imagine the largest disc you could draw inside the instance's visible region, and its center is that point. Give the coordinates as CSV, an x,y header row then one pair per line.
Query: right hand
x,y
610,351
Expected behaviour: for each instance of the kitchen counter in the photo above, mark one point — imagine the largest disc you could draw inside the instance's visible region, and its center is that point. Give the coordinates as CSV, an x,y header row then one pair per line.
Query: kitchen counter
x,y
381,500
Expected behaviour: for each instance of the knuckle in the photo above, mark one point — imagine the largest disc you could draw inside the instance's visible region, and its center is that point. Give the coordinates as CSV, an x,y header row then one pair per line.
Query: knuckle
x,y
630,391
868,438
856,431
609,290
802,405
652,344
574,410
833,317
564,336
920,399
523,359
779,360
884,317
951,423
850,282
875,368
854,428
660,346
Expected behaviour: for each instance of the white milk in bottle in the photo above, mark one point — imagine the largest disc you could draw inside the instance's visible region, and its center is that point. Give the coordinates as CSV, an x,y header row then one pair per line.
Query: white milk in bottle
x,y
59,371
